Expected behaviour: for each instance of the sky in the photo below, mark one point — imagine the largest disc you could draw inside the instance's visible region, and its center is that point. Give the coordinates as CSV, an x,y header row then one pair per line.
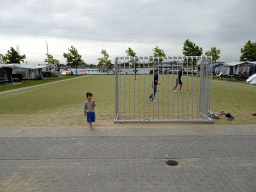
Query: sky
x,y
115,25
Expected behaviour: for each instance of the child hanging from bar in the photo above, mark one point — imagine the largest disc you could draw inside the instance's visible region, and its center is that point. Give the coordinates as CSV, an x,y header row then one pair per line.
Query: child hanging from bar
x,y
154,85
89,109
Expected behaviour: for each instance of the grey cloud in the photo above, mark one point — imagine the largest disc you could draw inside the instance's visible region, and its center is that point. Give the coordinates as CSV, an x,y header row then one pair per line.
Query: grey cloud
x,y
132,21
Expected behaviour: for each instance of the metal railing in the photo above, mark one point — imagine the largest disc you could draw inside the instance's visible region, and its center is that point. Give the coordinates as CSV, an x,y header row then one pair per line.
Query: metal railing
x,y
133,86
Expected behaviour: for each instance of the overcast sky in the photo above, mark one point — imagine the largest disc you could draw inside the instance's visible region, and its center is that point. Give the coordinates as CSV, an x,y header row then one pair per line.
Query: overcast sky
x,y
93,25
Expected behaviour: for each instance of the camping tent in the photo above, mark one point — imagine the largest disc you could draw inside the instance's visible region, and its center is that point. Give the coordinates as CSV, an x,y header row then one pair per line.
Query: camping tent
x,y
213,66
5,74
28,71
222,68
251,79
245,68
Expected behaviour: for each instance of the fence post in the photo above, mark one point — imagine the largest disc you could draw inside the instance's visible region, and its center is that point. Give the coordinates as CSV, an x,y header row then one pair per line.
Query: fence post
x,y
200,91
201,85
116,88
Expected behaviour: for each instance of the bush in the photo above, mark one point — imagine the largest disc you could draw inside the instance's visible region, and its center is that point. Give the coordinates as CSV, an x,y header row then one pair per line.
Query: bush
x,y
54,74
17,75
47,74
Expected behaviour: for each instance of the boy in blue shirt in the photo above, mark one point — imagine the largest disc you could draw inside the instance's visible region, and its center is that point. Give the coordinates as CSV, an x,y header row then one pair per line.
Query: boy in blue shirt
x,y
89,109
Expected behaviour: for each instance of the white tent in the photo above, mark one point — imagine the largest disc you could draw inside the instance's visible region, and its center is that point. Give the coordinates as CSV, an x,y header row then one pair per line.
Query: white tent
x,y
251,79
28,71
245,68
223,69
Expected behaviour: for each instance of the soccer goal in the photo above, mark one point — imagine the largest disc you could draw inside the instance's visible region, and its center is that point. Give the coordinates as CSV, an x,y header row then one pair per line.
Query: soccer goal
x,y
190,102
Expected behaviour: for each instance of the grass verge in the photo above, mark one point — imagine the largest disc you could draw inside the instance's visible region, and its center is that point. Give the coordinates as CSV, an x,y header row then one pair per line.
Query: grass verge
x,y
27,83
61,104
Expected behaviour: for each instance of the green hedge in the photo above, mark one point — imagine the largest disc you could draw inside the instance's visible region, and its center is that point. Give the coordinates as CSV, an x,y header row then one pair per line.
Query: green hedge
x,y
47,73
17,75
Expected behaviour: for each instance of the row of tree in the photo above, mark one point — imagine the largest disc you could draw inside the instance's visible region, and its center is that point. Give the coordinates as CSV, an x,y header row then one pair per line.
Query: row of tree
x,y
74,59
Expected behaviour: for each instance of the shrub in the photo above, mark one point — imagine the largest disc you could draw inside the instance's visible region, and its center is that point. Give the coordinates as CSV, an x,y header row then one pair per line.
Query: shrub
x,y
17,75
47,73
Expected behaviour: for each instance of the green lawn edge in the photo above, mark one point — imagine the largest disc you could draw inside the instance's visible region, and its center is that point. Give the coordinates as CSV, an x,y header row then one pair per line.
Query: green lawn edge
x,y
28,83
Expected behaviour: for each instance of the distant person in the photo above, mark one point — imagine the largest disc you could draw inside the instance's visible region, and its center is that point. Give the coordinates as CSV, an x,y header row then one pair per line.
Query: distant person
x,y
154,85
135,72
178,81
89,109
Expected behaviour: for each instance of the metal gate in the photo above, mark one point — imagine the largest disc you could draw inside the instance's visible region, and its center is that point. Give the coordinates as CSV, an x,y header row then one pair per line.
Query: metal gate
x,y
134,84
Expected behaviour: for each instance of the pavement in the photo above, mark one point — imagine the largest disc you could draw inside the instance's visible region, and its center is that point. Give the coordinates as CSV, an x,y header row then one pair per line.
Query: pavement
x,y
210,157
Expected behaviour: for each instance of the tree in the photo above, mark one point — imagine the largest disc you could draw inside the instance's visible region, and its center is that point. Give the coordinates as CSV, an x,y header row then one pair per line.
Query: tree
x,y
13,56
73,57
214,53
248,52
49,59
158,53
104,60
190,49
3,59
131,53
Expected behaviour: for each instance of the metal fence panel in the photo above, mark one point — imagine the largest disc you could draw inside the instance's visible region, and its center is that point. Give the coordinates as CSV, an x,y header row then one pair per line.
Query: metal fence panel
x,y
189,103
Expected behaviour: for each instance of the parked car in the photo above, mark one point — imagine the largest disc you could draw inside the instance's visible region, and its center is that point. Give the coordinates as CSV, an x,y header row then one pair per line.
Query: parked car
x,y
67,73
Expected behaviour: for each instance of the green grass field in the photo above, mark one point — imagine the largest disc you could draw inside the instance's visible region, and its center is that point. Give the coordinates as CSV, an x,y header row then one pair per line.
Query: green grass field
x,y
27,83
61,104
135,103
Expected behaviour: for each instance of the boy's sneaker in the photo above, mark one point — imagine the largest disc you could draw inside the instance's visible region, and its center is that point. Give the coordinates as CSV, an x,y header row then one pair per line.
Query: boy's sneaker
x,y
173,91
155,100
180,91
231,118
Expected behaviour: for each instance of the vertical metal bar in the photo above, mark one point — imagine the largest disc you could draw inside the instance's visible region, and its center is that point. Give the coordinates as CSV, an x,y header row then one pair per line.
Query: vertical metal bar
x,y
209,83
206,88
120,92
158,86
148,91
163,89
153,86
129,90
192,88
134,88
201,98
211,88
144,86
168,87
182,88
172,93
178,111
124,89
116,88
197,105
139,88
120,89
187,87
